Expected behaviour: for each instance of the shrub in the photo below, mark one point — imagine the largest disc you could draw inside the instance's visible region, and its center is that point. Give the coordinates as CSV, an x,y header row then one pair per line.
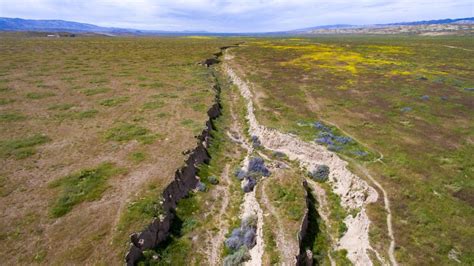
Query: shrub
x,y
321,173
126,132
343,139
320,126
213,180
201,187
249,184
114,101
335,147
360,153
279,154
237,257
406,109
11,117
22,148
256,142
85,185
257,166
61,107
239,173
245,235
95,91
4,101
39,95
425,97
153,105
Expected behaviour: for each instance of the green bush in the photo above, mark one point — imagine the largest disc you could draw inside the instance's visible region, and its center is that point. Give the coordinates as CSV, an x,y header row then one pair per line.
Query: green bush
x,y
21,148
114,101
237,257
126,132
85,185
39,95
95,91
11,117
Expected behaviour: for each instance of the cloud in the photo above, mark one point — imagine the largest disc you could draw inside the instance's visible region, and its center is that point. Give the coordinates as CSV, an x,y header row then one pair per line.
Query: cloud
x,y
234,16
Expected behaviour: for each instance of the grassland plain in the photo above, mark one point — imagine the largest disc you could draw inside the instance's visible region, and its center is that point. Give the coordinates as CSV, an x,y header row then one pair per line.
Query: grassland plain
x,y
92,129
407,104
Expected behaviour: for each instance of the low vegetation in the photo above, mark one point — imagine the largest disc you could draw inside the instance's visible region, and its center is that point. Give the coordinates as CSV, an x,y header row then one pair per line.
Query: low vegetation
x,y
85,185
22,147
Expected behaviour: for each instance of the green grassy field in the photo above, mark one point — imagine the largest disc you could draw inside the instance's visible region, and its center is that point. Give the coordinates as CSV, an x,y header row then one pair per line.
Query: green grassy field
x,y
92,129
407,101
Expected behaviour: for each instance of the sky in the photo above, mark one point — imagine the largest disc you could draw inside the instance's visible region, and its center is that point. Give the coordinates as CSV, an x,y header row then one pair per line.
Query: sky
x,y
235,16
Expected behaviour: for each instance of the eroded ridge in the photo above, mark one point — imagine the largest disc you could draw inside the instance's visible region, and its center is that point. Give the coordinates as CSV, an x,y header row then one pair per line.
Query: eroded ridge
x,y
354,192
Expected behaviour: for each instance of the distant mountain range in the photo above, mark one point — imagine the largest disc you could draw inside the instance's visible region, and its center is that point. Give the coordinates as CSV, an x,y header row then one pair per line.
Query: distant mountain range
x,y
18,24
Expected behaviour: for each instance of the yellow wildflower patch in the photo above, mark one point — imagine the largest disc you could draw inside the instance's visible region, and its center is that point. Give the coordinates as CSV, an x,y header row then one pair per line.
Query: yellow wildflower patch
x,y
389,49
200,37
329,57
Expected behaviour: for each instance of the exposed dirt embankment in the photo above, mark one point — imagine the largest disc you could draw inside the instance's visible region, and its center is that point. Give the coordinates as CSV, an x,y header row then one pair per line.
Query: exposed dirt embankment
x,y
302,258
185,180
354,192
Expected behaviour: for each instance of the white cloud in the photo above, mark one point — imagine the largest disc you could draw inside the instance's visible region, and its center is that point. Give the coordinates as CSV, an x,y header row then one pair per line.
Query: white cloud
x,y
229,15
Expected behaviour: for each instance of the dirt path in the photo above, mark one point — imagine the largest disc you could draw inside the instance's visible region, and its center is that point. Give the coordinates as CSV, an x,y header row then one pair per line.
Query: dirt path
x,y
391,249
354,192
287,248
217,240
460,48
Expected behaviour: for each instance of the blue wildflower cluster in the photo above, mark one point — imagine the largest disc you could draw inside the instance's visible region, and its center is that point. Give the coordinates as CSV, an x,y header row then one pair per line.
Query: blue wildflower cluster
x,y
256,142
406,109
245,235
328,138
240,174
255,169
425,97
360,153
250,183
257,166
